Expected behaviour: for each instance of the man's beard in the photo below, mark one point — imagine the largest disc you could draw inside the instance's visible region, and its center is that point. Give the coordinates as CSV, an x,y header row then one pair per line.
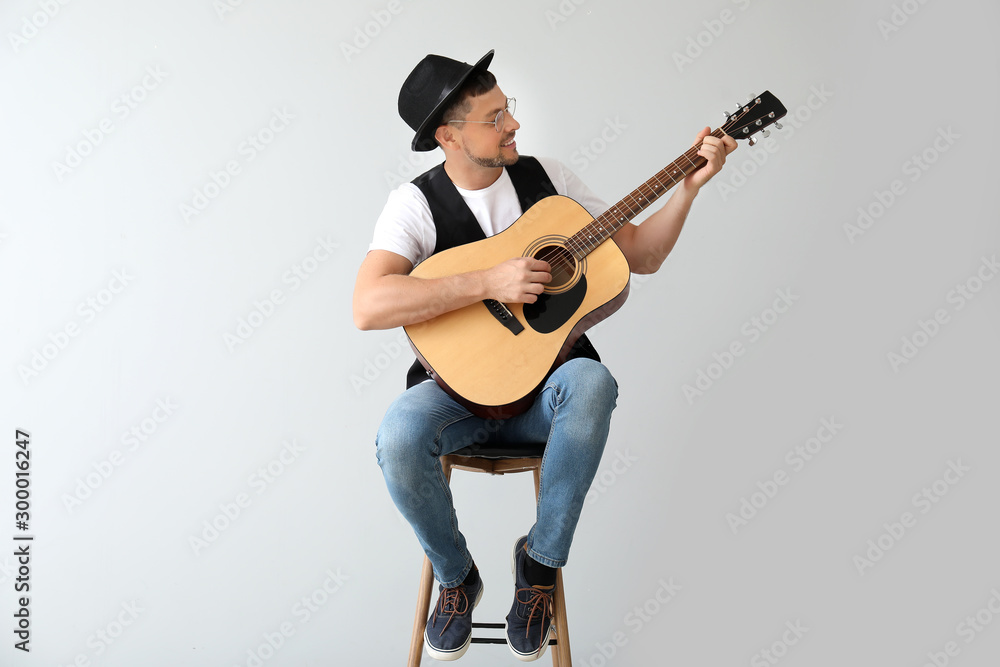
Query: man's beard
x,y
497,160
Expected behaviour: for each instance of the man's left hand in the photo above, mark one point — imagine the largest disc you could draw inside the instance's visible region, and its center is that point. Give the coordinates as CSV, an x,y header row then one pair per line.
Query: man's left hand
x,y
714,150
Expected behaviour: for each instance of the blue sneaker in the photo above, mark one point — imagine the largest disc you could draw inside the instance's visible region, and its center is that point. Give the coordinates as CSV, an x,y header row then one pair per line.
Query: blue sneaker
x,y
529,623
449,627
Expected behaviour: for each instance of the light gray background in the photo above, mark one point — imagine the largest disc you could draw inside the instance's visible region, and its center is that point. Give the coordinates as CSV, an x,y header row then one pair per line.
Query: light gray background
x,y
862,101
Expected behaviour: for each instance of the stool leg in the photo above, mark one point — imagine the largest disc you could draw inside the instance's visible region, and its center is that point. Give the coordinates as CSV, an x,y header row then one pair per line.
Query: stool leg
x,y
561,654
424,595
420,618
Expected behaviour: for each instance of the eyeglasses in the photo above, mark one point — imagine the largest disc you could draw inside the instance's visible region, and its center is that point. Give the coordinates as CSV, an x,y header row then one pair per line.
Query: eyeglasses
x,y
499,120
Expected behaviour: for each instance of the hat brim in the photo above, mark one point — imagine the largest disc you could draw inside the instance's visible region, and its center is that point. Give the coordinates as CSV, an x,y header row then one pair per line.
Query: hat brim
x,y
423,140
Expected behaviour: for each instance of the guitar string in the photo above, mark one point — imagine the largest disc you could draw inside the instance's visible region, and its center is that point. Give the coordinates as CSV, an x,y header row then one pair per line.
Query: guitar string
x,y
636,201
594,233
584,241
637,205
633,204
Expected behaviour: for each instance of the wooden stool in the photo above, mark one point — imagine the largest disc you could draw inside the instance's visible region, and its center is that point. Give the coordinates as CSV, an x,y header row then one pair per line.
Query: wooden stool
x,y
495,461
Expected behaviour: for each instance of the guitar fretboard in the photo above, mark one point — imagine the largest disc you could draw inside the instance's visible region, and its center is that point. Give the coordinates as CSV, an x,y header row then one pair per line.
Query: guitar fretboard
x,y
605,225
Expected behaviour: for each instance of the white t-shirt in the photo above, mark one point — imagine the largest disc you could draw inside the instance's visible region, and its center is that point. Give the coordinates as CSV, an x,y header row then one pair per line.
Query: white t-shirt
x,y
406,227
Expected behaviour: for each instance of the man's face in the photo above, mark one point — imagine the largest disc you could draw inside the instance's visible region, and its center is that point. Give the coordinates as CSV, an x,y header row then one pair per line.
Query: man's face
x,y
481,143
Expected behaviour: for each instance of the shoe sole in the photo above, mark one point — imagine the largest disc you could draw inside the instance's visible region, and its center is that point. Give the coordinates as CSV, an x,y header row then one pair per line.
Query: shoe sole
x,y
460,651
524,657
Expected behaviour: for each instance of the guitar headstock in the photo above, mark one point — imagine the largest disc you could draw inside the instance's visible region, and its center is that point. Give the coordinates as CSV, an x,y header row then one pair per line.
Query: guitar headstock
x,y
754,116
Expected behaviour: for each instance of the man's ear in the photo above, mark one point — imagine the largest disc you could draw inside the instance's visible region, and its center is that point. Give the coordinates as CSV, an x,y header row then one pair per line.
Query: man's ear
x,y
446,137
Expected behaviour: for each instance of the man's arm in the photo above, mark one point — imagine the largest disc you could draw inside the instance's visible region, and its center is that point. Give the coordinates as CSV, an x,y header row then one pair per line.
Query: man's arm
x,y
645,246
385,296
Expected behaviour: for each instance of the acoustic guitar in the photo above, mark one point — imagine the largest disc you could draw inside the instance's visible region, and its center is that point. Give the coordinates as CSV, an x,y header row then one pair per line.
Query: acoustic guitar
x,y
494,357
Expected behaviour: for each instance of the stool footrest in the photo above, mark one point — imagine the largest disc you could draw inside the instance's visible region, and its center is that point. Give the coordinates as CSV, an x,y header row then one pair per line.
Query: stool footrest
x,y
497,640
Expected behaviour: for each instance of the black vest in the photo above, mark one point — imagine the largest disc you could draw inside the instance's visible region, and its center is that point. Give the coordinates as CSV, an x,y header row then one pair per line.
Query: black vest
x,y
457,225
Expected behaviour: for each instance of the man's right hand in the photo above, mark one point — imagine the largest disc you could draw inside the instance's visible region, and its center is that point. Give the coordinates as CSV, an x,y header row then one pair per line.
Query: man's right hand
x,y
386,296
518,280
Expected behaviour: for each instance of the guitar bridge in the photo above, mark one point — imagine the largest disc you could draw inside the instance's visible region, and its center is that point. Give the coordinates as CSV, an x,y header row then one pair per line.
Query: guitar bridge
x,y
504,316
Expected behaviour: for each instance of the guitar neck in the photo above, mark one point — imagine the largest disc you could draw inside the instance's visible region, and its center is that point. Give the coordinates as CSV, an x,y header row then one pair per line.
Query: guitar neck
x,y
605,225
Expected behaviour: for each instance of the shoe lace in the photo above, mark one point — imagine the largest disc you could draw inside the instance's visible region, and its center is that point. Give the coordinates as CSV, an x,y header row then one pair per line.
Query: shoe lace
x,y
538,602
453,602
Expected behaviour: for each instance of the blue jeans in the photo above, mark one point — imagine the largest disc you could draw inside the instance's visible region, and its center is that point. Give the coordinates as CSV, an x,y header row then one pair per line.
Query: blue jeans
x,y
572,415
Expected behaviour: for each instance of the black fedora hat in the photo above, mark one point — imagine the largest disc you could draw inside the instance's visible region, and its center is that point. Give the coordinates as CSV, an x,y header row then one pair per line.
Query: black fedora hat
x,y
429,90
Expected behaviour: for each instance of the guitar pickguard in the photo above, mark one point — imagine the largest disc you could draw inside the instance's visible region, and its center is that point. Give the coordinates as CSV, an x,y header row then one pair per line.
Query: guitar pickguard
x,y
551,311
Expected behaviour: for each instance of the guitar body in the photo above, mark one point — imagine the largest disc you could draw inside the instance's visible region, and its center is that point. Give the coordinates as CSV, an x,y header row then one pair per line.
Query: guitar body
x,y
493,358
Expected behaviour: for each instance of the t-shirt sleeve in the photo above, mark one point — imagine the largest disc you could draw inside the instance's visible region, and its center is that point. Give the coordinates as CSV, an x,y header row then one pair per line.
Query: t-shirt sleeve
x,y
569,184
405,225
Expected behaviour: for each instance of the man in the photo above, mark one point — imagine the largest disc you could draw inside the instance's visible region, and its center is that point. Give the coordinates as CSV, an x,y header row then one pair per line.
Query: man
x,y
480,189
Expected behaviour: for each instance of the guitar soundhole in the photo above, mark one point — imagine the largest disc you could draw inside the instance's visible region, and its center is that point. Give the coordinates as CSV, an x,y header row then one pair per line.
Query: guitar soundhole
x,y
565,268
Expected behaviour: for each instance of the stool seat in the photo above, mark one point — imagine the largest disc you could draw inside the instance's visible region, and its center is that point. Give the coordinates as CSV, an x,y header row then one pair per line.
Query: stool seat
x,y
496,460
518,450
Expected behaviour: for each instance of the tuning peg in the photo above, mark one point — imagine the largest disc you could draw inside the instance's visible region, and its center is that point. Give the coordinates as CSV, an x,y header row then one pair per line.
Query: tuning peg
x,y
766,133
777,125
727,114
751,141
